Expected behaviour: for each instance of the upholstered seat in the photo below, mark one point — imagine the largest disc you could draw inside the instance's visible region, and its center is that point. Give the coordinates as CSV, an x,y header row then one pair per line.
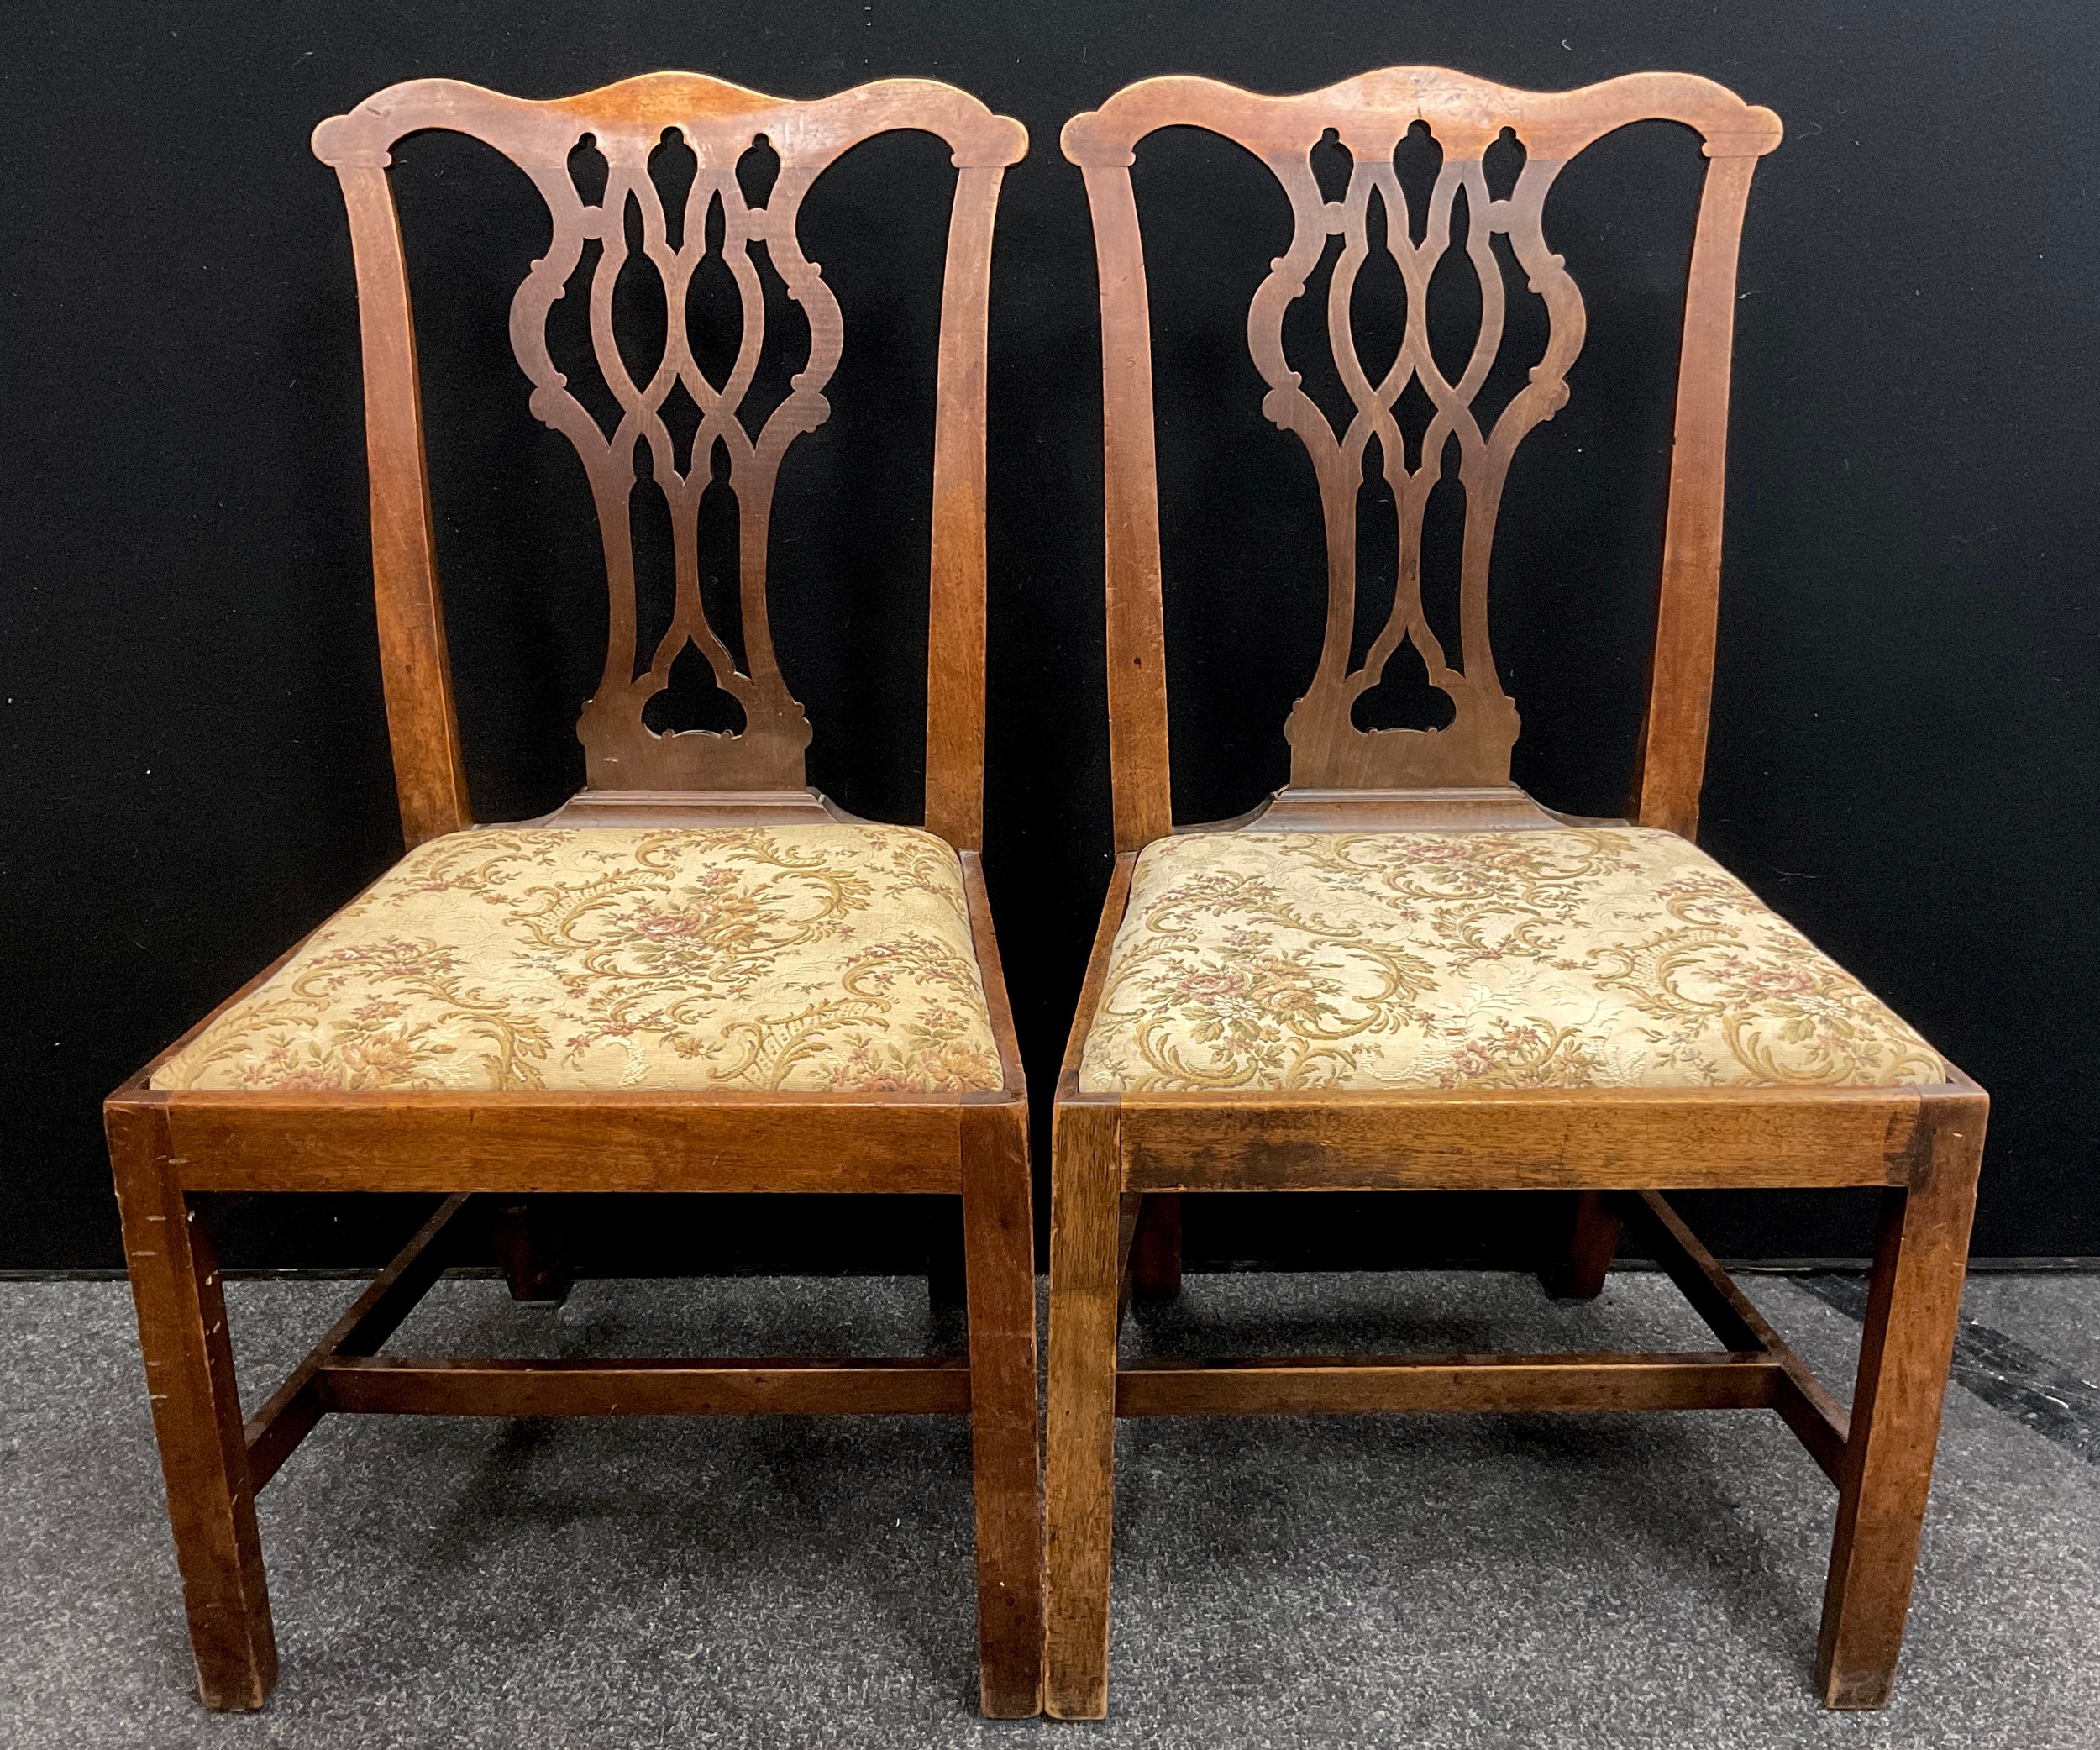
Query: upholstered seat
x,y
814,957
1618,957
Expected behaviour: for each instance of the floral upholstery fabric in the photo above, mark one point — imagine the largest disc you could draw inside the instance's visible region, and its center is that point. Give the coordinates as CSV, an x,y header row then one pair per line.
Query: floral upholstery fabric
x,y
1615,957
816,957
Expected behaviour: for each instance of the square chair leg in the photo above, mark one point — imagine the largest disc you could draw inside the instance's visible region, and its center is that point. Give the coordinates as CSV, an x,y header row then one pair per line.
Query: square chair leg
x,y
1579,1273
197,1418
532,1251
1912,1310
999,1271
1155,1258
1085,1291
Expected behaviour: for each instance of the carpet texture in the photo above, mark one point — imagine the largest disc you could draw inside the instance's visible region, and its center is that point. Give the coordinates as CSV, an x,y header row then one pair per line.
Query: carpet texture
x,y
1577,1581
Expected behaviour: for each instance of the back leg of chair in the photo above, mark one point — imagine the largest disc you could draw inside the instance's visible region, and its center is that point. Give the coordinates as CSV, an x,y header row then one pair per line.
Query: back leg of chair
x,y
1085,1295
1155,1253
946,1282
1579,1273
1912,1312
531,1250
197,1418
1000,1271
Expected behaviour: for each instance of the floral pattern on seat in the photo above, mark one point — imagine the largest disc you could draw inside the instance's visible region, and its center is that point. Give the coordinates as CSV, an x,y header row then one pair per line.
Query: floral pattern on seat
x,y
815,958
1609,957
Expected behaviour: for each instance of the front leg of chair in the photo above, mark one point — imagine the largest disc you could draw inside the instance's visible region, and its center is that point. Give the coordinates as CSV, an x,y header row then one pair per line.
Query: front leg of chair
x,y
197,1418
999,1271
1086,1182
1912,1312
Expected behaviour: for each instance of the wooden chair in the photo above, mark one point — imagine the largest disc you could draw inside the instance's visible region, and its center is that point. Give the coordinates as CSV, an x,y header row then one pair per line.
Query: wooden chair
x,y
1401,973
697,975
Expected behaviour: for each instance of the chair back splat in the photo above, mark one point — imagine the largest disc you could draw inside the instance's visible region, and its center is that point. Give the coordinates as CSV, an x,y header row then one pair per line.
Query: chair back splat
x,y
756,772
1466,762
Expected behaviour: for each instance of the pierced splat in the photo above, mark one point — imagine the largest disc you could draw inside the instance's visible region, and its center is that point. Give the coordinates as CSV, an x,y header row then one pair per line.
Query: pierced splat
x,y
714,228
1329,748
1428,168
680,179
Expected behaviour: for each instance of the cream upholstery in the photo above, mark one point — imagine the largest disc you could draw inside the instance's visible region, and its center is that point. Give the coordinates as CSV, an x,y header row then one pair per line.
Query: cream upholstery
x,y
1617,957
808,957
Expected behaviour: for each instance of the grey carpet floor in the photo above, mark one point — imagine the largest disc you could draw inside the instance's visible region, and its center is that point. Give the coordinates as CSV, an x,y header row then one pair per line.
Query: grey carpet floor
x,y
1423,1581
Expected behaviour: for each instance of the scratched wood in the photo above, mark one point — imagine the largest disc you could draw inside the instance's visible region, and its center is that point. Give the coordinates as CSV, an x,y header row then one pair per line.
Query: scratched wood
x,y
1520,1140
1912,1310
541,1142
1466,1384
196,1421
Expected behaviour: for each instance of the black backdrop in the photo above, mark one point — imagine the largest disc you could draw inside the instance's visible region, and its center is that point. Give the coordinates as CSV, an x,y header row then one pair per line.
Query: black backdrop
x,y
1903,753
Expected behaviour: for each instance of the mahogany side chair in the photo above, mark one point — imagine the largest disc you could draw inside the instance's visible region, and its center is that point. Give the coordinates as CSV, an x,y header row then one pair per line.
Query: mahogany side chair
x,y
1402,974
698,975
